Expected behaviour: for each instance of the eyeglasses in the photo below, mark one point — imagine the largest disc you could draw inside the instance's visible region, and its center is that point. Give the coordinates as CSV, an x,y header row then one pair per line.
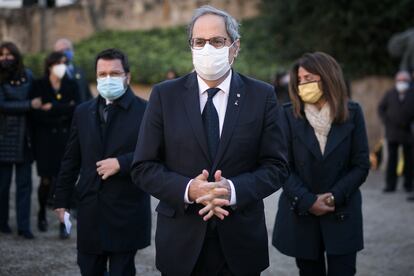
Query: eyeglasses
x,y
198,43
114,74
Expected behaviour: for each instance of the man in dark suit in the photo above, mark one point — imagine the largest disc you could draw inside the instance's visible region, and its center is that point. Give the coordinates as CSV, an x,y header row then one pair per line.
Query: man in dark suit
x,y
74,72
396,111
211,147
114,218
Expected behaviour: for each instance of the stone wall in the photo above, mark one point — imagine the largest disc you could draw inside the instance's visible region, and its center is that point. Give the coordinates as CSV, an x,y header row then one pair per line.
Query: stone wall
x,y
34,29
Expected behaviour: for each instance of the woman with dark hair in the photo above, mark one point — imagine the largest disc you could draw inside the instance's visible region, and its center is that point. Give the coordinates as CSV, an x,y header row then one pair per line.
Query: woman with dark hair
x,y
51,126
15,151
320,206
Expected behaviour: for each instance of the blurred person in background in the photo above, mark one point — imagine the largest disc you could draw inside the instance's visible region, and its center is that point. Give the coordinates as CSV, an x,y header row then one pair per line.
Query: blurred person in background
x,y
396,111
74,72
281,84
320,207
51,125
114,215
171,74
15,150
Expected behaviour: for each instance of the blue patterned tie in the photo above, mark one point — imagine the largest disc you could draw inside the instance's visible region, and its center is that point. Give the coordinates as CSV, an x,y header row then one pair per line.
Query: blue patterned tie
x,y
211,123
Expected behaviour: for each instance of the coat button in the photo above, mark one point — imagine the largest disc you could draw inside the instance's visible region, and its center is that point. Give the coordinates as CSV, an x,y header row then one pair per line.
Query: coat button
x,y
296,198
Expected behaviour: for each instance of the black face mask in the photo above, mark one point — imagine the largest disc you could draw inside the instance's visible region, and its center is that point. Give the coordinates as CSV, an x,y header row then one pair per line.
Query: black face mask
x,y
8,64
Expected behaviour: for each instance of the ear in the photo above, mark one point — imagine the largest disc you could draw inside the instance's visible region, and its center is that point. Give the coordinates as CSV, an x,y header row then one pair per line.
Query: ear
x,y
128,78
237,48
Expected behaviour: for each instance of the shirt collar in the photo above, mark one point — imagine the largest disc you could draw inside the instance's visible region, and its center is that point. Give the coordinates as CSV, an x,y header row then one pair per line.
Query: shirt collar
x,y
223,86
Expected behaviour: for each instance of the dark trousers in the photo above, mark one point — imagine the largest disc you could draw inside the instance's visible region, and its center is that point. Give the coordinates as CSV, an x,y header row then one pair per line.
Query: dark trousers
x,y
211,261
23,176
121,264
391,177
338,265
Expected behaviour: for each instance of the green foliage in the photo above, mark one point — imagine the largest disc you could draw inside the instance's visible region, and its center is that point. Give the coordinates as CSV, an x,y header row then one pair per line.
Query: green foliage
x,y
355,32
152,53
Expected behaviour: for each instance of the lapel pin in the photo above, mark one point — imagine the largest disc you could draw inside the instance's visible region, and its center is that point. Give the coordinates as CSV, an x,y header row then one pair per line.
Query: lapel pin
x,y
236,102
238,95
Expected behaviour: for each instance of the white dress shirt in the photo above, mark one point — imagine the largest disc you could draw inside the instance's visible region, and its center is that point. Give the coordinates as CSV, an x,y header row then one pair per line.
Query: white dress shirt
x,y
220,103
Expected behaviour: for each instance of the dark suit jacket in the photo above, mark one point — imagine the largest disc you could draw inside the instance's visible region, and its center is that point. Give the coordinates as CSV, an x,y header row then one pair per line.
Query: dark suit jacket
x,y
341,170
50,129
113,214
397,116
172,149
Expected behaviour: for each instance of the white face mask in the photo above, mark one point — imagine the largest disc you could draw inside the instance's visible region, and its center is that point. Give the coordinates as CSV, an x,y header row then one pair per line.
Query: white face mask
x,y
59,70
402,86
211,63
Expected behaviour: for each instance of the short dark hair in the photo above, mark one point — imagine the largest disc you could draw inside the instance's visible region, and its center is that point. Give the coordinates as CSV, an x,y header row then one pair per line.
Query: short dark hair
x,y
332,79
14,51
111,54
52,59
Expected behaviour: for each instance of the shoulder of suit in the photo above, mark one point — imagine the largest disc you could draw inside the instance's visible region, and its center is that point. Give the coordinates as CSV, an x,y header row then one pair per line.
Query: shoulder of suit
x,y
249,81
352,105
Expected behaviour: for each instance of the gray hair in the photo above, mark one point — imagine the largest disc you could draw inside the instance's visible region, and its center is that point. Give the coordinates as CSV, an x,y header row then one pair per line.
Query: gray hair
x,y
232,26
403,75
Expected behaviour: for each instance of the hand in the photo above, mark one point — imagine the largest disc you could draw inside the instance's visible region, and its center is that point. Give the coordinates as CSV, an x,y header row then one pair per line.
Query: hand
x,y
218,196
197,189
107,167
60,212
46,107
320,207
36,103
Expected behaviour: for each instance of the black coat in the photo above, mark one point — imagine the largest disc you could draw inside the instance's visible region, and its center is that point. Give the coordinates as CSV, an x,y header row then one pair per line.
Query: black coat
x,y
50,129
340,170
113,214
397,116
14,126
172,149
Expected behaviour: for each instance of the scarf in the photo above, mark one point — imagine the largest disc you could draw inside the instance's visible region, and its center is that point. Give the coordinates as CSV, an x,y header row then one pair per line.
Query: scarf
x,y
321,122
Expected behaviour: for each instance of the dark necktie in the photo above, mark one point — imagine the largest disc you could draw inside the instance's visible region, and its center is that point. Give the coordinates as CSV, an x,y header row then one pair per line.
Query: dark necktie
x,y
106,111
211,123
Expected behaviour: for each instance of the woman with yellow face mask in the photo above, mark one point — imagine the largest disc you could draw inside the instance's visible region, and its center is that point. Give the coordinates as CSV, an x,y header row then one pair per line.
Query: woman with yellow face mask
x,y
320,208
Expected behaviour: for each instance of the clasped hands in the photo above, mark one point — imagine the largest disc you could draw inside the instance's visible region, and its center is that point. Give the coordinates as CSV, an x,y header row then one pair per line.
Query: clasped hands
x,y
213,195
322,205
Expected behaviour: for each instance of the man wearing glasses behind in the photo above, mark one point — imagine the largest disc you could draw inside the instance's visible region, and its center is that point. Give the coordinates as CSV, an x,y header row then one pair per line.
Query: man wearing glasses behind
x,y
210,149
114,217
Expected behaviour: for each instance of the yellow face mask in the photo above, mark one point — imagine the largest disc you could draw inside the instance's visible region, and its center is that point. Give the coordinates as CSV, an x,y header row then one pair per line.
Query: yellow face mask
x,y
310,92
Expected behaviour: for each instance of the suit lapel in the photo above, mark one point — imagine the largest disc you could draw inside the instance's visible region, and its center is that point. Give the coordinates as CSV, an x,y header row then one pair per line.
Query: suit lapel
x,y
235,103
336,135
191,100
307,135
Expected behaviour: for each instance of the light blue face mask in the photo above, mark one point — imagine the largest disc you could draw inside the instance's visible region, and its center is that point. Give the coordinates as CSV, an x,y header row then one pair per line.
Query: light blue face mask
x,y
111,88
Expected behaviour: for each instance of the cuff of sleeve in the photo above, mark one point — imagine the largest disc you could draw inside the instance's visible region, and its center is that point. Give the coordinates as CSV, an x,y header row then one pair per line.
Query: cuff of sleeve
x,y
123,165
186,199
339,197
233,200
306,202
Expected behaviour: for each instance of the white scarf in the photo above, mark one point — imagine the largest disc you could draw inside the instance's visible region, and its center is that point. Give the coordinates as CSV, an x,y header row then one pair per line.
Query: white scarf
x,y
321,122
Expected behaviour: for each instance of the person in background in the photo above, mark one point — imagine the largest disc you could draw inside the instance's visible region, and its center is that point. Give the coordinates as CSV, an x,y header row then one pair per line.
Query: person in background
x,y
396,111
74,72
320,210
171,74
281,85
15,149
51,124
114,215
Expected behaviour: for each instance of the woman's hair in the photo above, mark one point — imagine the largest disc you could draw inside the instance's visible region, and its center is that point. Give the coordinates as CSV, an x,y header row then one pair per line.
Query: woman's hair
x,y
52,59
332,84
19,67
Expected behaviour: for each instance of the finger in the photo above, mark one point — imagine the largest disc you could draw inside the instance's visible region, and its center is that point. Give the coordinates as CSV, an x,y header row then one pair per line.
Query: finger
x,y
220,192
208,216
220,202
99,163
217,175
106,175
207,208
220,216
205,173
207,197
208,185
222,211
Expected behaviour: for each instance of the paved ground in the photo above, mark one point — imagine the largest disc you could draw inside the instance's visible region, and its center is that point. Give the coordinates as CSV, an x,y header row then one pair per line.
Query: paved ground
x,y
389,242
